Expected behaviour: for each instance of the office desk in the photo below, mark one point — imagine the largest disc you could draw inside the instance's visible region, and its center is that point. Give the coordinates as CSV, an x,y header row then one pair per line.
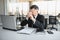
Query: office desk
x,y
40,36
13,35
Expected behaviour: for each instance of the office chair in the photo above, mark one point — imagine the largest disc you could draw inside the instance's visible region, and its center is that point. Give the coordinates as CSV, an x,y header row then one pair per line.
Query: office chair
x,y
53,21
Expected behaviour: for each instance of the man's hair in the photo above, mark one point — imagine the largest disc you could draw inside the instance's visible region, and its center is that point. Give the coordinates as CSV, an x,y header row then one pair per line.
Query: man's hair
x,y
34,6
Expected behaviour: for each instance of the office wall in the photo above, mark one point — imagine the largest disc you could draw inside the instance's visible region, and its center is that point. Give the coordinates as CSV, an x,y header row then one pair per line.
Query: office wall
x,y
1,9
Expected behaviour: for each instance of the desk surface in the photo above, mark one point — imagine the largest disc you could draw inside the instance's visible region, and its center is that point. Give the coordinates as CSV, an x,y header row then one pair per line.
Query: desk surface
x,y
12,35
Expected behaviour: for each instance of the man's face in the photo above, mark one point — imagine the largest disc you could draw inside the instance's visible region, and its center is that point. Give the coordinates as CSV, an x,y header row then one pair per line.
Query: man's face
x,y
34,11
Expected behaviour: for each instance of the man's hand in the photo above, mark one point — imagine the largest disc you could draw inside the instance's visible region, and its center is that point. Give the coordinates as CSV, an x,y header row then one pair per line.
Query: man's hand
x,y
31,16
28,15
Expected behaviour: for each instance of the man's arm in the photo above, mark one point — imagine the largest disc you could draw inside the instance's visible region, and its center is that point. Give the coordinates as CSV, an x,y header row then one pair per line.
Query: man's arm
x,y
40,20
39,23
24,22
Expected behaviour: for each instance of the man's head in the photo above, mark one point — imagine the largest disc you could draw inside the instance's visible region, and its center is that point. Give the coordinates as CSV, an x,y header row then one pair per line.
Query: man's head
x,y
34,9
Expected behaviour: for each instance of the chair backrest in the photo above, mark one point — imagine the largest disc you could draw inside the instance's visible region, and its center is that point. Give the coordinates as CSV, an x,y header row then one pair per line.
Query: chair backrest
x,y
52,19
45,23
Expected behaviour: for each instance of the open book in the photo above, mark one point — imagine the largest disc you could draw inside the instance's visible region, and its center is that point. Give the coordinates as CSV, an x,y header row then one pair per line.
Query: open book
x,y
26,30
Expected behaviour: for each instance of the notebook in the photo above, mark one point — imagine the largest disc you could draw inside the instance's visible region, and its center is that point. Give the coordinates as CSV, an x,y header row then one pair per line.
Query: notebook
x,y
26,30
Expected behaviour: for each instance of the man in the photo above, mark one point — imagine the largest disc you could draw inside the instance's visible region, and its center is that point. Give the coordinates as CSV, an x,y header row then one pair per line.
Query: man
x,y
34,19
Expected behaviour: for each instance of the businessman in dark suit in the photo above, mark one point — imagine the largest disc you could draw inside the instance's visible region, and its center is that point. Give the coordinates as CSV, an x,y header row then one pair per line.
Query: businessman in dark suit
x,y
34,19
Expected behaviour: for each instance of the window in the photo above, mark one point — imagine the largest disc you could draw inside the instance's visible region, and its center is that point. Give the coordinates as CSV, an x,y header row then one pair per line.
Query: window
x,y
21,7
42,6
48,7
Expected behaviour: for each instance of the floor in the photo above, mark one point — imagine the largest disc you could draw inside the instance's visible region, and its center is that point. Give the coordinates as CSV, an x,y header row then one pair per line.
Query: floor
x,y
12,35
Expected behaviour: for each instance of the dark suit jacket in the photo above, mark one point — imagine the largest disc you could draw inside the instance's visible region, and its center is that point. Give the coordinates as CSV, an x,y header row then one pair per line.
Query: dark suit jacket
x,y
38,24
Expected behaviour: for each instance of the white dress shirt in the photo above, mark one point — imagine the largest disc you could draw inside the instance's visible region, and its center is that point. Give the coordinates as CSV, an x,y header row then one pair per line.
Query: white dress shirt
x,y
35,18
